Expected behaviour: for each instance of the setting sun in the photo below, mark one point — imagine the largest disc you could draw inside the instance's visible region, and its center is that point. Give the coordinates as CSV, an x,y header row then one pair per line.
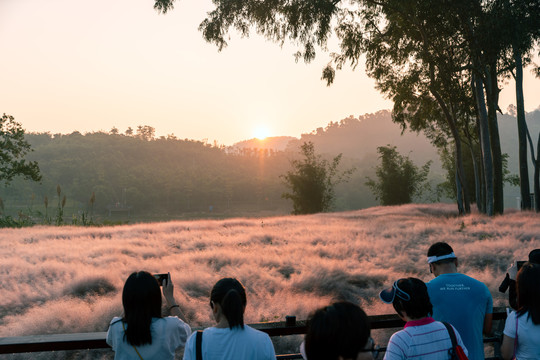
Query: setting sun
x,y
261,132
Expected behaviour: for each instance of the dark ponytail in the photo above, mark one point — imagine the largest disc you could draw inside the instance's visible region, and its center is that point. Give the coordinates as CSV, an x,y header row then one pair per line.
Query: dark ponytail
x,y
230,294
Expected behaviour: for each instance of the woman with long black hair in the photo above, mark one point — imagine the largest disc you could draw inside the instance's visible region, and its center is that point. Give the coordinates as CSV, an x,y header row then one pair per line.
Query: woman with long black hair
x,y
230,338
142,333
521,338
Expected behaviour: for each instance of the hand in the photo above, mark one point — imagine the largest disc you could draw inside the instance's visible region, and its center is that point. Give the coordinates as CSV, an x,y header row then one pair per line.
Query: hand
x,y
512,271
168,293
168,290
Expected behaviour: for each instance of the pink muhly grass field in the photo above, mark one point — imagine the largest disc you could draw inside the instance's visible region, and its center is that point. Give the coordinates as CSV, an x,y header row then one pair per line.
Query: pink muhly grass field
x,y
69,279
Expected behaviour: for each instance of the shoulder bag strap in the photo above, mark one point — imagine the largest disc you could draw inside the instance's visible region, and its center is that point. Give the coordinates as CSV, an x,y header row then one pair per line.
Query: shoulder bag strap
x,y
137,351
452,338
198,345
516,339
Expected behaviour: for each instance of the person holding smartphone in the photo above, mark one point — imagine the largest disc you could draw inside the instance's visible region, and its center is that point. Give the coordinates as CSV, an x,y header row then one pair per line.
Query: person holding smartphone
x,y
521,339
511,274
142,332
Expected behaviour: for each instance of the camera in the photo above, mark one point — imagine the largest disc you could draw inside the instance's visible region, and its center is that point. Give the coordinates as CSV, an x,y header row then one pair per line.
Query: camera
x,y
506,282
160,278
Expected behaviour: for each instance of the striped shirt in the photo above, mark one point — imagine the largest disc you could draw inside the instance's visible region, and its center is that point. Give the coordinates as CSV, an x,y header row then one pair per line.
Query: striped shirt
x,y
422,339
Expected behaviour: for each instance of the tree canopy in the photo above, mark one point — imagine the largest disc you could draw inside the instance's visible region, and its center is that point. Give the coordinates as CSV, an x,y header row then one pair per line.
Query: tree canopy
x,y
13,149
312,181
399,180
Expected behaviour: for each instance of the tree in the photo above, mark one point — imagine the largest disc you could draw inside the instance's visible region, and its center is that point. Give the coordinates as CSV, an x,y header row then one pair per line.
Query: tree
x,y
415,60
521,20
434,32
13,148
312,181
398,179
146,132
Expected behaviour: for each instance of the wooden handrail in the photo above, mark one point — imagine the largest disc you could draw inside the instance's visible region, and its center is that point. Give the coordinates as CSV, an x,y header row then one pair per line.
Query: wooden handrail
x,y
96,340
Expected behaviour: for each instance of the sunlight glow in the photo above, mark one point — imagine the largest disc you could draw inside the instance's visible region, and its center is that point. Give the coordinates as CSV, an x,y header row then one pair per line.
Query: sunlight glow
x,y
261,132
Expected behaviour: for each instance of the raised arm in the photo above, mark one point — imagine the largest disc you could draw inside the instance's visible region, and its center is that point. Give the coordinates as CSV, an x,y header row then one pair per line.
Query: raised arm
x,y
168,294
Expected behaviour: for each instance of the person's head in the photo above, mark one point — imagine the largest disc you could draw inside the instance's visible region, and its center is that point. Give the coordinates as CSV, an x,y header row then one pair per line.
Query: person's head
x,y
534,256
441,258
339,331
528,291
228,296
141,299
409,297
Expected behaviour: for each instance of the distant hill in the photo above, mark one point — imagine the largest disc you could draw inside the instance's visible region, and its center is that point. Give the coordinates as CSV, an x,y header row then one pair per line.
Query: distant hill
x,y
358,138
277,143
166,178
354,137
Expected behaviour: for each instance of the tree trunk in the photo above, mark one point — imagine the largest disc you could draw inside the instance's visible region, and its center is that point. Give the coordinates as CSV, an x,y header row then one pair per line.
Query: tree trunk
x,y
460,176
522,134
477,182
462,193
459,191
487,163
495,142
481,179
477,160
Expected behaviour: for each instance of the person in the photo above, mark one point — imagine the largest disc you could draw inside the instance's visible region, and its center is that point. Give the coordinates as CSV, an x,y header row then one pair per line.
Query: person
x,y
458,299
510,279
525,343
422,337
340,331
142,333
230,338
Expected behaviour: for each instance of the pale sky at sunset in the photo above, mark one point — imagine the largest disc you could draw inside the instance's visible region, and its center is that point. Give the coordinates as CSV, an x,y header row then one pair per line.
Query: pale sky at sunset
x,y
71,65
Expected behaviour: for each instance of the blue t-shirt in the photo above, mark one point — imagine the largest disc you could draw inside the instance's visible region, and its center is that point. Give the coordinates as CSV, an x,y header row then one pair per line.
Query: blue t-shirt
x,y
463,302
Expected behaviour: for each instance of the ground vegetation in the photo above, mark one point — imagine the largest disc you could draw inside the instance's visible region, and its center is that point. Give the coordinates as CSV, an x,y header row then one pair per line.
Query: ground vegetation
x,y
69,279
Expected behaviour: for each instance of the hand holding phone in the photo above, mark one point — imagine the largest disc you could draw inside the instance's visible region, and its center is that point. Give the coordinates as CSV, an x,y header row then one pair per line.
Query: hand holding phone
x,y
161,277
168,290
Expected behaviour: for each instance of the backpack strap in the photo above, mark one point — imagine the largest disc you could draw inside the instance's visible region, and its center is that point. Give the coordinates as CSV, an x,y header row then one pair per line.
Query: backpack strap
x,y
516,339
452,351
198,345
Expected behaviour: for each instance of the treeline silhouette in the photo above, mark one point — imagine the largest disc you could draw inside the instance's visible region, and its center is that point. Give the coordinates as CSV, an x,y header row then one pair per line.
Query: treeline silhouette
x,y
157,178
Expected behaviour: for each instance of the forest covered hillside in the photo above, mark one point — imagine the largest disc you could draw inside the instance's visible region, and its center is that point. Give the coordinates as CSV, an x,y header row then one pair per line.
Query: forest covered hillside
x,y
166,177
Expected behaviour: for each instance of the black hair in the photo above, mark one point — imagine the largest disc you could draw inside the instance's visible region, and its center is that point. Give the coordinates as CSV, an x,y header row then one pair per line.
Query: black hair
x,y
230,294
341,329
534,256
440,249
528,291
141,299
419,306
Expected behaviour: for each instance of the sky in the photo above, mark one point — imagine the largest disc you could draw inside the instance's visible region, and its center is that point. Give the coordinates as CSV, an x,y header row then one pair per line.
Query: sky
x,y
73,65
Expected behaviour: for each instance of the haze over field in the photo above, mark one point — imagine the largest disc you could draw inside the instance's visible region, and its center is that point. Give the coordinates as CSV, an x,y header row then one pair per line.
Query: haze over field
x,y
69,279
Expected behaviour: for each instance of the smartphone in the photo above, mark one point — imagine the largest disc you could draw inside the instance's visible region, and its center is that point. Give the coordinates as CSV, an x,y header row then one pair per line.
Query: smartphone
x,y
160,278
520,264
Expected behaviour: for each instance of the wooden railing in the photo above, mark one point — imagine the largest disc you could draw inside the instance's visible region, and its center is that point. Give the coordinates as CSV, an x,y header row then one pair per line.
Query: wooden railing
x,y
96,340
